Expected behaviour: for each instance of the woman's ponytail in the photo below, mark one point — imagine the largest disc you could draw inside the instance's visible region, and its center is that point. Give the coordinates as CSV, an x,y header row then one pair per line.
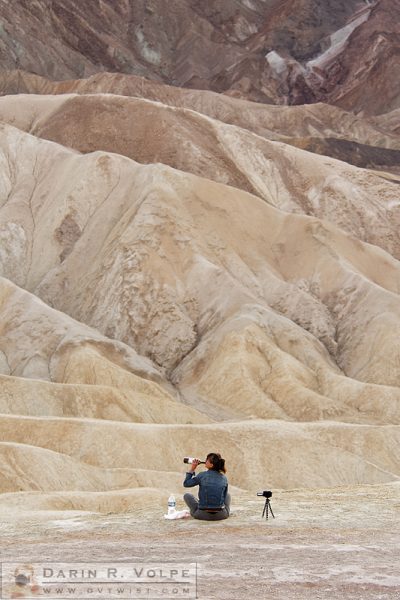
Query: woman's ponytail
x,y
218,463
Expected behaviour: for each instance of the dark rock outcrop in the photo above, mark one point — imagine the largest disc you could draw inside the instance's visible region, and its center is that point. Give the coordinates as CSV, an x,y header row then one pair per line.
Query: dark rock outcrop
x,y
300,51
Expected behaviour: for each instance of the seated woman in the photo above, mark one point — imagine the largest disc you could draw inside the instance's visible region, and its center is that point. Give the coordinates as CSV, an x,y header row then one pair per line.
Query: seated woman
x,y
214,500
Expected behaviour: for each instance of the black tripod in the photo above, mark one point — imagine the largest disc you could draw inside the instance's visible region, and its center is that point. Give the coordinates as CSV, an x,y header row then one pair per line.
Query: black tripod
x,y
267,506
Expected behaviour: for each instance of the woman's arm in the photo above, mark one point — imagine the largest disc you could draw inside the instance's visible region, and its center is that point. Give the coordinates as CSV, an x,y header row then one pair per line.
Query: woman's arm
x,y
225,492
191,479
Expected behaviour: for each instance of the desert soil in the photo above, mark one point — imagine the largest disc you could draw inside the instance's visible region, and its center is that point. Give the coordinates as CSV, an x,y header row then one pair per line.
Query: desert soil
x,y
323,544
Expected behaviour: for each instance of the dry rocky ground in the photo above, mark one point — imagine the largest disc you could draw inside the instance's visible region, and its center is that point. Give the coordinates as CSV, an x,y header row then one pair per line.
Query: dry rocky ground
x,y
340,542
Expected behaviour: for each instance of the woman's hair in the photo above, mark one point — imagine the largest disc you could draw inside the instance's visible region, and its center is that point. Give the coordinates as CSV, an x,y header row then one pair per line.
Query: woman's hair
x,y
218,463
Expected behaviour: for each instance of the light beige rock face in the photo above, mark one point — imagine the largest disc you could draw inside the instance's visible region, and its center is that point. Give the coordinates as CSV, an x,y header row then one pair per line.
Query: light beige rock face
x,y
87,374
165,269
27,468
186,285
261,368
363,204
159,448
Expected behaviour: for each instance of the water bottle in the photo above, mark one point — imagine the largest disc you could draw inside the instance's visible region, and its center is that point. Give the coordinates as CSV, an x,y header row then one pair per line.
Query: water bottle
x,y
171,504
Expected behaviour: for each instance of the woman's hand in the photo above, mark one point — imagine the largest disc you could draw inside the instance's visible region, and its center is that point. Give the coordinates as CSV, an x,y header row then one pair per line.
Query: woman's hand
x,y
195,464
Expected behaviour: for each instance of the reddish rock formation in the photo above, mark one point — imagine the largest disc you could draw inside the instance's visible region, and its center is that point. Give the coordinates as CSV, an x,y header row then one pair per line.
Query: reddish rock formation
x,y
296,52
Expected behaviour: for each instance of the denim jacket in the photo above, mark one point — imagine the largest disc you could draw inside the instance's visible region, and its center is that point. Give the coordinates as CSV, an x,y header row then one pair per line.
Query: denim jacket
x,y
213,487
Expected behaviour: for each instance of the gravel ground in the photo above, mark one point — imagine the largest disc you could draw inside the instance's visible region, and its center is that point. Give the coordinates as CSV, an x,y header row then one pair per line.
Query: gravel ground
x,y
322,544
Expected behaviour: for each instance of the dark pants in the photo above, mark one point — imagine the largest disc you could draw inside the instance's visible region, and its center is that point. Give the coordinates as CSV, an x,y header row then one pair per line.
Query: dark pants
x,y
204,515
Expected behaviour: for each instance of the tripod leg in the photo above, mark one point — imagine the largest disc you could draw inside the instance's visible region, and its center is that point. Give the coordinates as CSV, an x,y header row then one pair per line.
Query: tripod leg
x,y
271,510
265,511
267,506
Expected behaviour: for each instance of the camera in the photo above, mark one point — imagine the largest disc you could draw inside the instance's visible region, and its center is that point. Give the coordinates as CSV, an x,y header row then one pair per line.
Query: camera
x,y
265,493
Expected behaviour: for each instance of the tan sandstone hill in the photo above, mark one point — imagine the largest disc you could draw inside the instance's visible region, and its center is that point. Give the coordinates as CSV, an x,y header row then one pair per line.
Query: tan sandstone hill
x,y
361,203
53,365
318,127
278,326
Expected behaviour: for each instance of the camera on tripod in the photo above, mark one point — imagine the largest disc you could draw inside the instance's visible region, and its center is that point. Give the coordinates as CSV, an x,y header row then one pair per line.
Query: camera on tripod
x,y
267,506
